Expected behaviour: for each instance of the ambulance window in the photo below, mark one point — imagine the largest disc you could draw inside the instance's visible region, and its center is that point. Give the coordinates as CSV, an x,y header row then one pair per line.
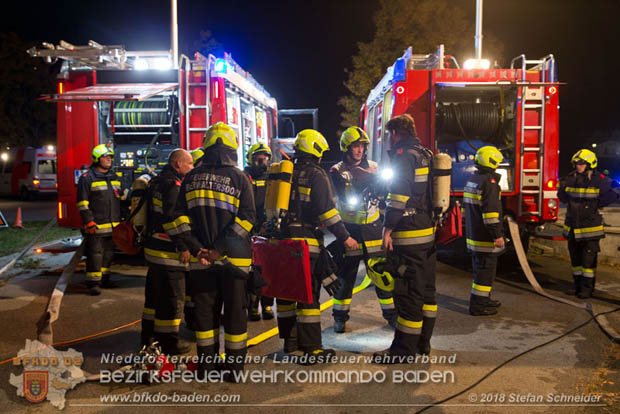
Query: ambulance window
x,y
46,167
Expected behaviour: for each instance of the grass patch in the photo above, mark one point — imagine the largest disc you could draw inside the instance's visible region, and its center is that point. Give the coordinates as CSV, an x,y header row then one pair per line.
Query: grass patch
x,y
13,240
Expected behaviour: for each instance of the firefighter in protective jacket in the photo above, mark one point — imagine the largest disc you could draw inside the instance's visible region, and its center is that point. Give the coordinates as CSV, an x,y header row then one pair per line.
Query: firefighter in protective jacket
x,y
409,239
214,216
355,182
311,206
584,191
168,263
98,200
258,159
484,229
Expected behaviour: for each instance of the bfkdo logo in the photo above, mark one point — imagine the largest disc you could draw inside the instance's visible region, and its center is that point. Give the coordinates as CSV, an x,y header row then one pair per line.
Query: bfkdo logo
x,y
36,385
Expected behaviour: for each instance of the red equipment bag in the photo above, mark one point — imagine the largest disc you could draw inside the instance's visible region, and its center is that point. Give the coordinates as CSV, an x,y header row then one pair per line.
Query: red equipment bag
x,y
451,226
285,265
125,238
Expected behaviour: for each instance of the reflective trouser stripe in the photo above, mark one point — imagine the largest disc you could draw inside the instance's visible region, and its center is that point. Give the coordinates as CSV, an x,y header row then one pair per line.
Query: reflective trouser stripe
x,y
235,341
589,272
408,327
588,232
93,276
386,303
286,311
308,315
105,270
148,314
342,304
480,290
429,311
577,270
206,338
167,325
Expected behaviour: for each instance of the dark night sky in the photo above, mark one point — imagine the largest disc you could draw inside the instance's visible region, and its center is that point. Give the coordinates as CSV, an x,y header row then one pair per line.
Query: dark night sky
x,y
298,50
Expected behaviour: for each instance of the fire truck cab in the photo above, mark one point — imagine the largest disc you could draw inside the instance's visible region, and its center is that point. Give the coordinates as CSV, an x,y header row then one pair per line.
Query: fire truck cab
x,y
142,106
457,111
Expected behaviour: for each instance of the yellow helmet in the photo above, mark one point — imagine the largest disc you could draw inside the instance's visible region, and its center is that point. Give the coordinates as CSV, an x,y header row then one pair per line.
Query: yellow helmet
x,y
351,135
220,132
586,156
101,150
379,275
258,148
489,156
311,142
197,155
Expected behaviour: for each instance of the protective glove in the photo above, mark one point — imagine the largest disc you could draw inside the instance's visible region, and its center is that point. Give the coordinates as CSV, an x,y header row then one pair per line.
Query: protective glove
x,y
331,284
91,228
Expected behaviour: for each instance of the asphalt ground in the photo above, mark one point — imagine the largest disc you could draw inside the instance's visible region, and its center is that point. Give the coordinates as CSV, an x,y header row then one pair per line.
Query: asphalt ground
x,y
44,208
583,363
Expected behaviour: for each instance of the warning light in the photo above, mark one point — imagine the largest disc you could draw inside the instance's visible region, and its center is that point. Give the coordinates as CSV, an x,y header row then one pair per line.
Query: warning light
x,y
60,88
400,90
38,250
36,182
59,211
550,184
553,90
221,66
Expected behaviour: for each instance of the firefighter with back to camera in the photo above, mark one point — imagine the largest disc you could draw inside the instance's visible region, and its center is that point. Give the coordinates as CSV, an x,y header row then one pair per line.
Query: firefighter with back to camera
x,y
214,215
584,191
484,228
354,180
98,201
167,261
311,206
409,240
258,158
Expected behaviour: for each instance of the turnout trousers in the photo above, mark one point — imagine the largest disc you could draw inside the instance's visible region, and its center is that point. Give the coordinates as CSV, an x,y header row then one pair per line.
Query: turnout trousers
x,y
414,298
583,258
302,320
212,289
164,296
99,253
342,298
484,267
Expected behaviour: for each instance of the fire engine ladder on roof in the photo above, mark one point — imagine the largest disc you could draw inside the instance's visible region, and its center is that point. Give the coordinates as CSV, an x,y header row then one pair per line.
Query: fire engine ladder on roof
x,y
533,119
196,100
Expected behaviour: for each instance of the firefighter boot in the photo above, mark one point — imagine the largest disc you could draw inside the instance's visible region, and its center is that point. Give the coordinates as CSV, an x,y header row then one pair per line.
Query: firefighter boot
x,y
253,314
93,288
207,357
146,335
106,283
339,326
290,343
492,303
586,288
267,313
424,344
170,343
576,288
479,306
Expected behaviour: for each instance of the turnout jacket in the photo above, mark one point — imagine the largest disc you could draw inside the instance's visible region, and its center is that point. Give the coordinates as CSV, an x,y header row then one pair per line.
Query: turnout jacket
x,y
162,196
98,199
312,205
259,184
215,210
583,195
357,204
483,211
409,211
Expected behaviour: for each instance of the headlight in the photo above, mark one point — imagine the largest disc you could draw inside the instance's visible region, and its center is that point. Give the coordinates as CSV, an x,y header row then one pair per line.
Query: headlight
x,y
552,203
387,174
353,201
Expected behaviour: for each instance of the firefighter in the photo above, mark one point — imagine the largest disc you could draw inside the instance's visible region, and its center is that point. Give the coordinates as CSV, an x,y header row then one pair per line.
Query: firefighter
x,y
98,200
354,180
484,229
409,240
168,263
258,159
214,215
584,191
311,206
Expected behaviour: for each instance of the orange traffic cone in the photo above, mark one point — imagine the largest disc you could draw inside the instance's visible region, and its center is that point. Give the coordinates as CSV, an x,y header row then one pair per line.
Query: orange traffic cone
x,y
18,219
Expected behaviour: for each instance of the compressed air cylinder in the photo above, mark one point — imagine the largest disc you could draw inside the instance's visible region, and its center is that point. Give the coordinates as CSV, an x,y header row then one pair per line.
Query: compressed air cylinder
x,y
284,186
272,191
138,191
442,174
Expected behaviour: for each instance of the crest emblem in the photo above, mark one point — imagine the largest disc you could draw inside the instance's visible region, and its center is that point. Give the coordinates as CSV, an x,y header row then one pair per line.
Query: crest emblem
x,y
36,385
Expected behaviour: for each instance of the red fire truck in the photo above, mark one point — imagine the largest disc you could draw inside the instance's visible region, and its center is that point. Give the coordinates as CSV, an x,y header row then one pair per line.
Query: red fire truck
x,y
141,105
459,110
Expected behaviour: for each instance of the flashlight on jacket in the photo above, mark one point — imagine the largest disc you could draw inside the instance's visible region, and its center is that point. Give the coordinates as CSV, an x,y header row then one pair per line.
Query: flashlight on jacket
x,y
387,174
